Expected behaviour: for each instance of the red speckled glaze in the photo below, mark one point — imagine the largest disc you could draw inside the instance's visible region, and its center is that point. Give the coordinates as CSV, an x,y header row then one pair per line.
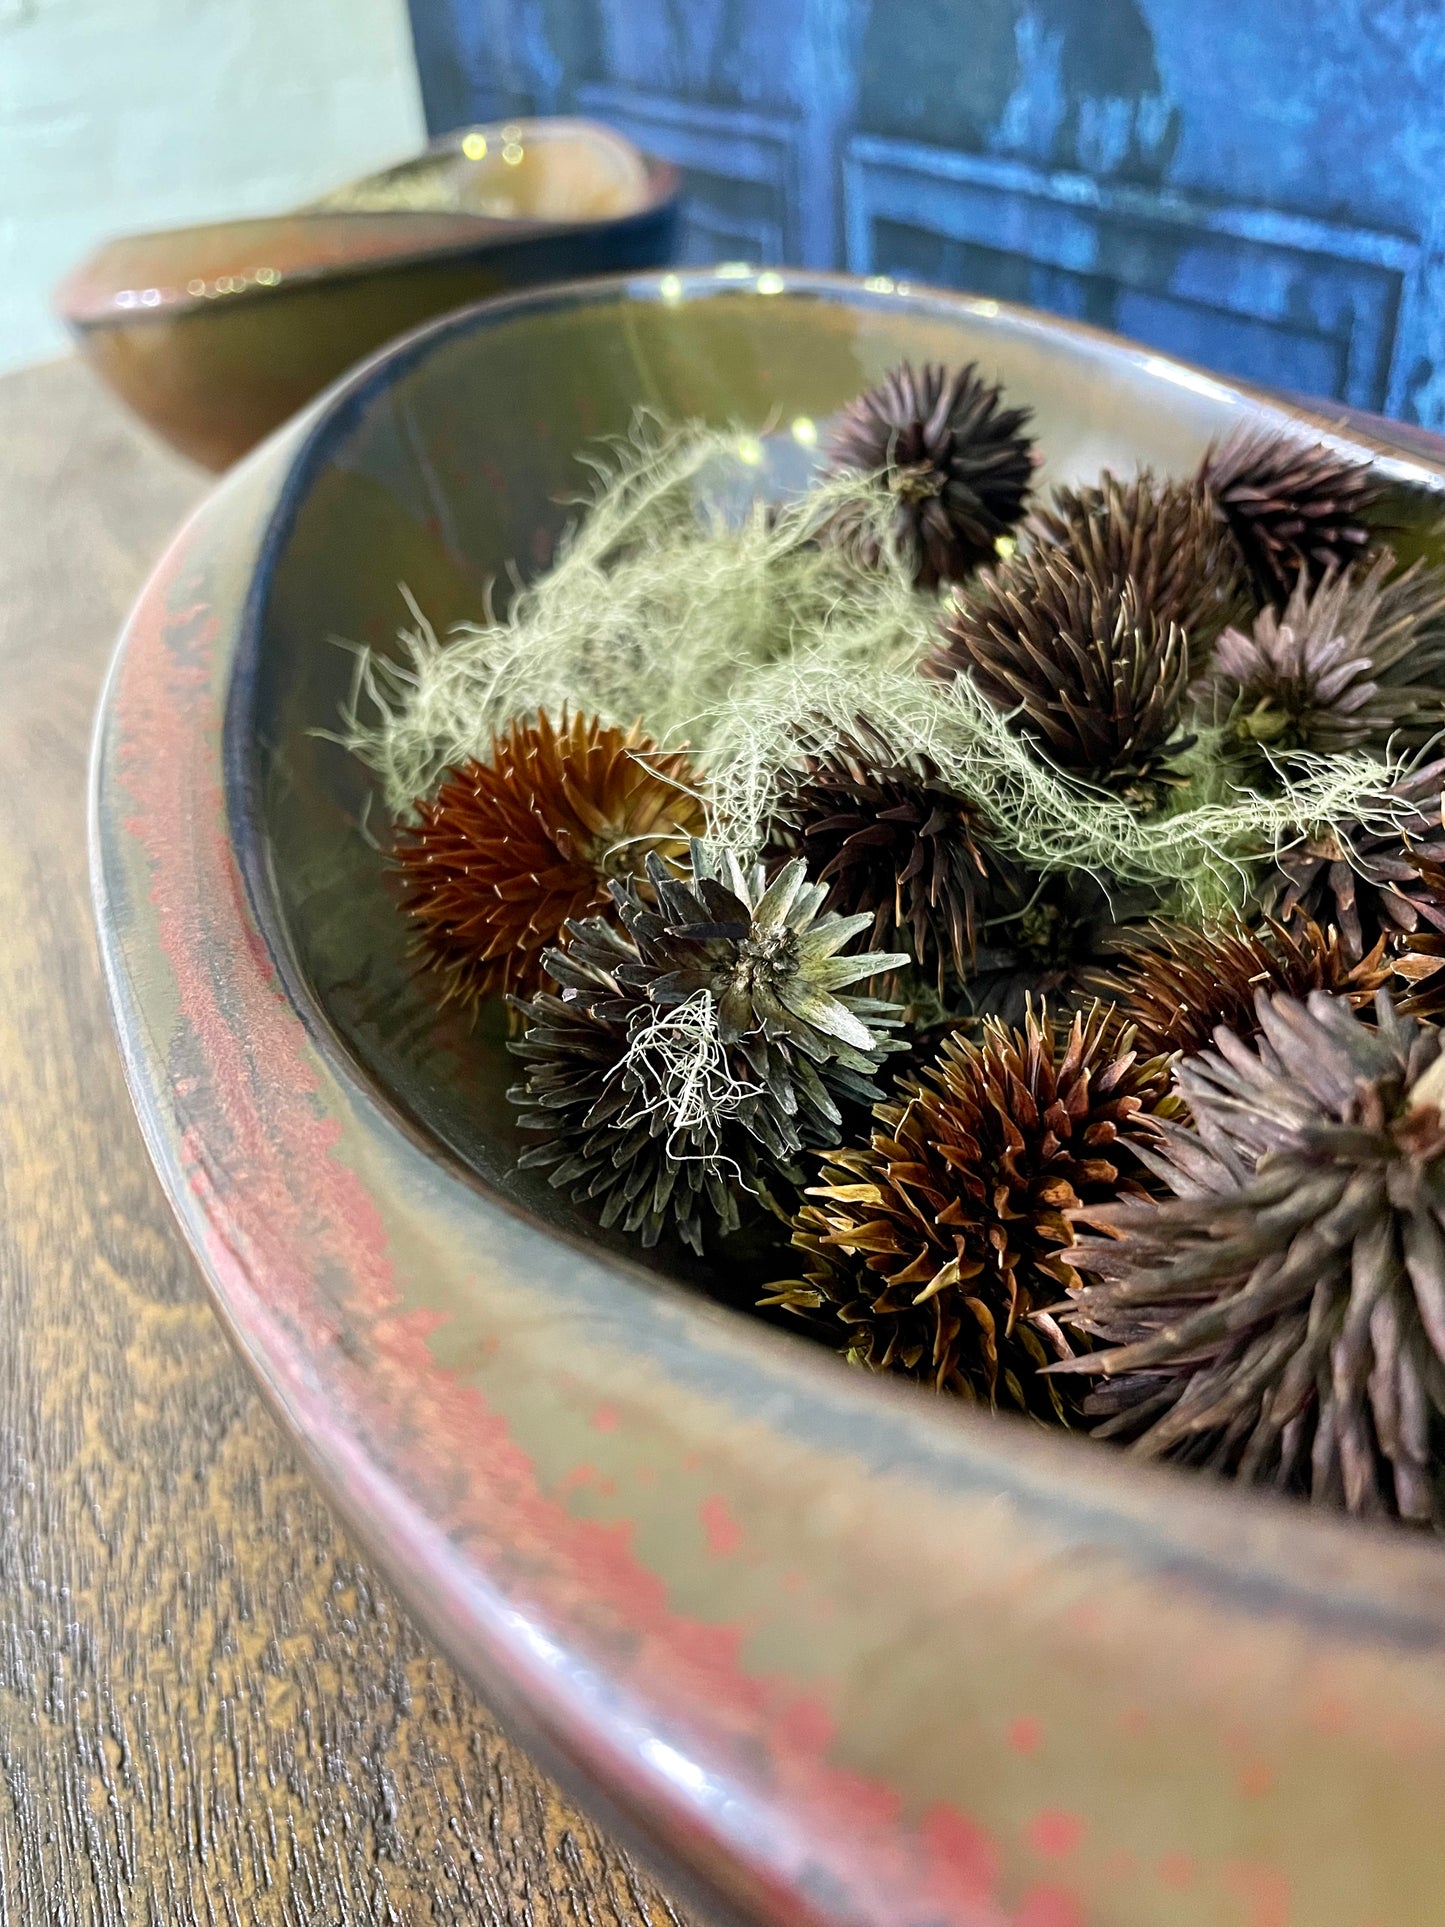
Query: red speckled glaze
x,y
837,1654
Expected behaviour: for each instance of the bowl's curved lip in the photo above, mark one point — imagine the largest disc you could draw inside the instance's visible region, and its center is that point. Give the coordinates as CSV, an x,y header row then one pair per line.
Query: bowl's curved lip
x,y
383,241
214,1019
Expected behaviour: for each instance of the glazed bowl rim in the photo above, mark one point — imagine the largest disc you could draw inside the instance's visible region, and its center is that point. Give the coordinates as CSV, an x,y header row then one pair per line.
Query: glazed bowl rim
x,y
473,236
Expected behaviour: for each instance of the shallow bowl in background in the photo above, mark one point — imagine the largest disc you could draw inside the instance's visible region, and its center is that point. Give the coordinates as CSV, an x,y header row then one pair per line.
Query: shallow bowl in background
x,y
215,334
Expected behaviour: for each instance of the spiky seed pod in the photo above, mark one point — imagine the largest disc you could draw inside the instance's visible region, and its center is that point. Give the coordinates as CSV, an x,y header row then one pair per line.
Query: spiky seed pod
x,y
1291,506
1164,537
1357,662
689,1060
614,1133
1281,1317
498,860
935,1250
891,840
801,1033
1363,879
1176,984
1091,673
954,459
1068,923
1420,960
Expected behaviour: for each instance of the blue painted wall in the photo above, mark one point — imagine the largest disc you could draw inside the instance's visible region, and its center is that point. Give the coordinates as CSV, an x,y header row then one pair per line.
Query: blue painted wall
x,y
1256,184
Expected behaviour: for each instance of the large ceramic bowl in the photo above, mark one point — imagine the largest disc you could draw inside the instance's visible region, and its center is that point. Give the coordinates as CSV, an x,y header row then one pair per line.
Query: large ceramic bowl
x,y
215,334
831,1650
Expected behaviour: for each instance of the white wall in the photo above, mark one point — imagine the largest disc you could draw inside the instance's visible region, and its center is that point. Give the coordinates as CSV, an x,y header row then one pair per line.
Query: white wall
x,y
125,114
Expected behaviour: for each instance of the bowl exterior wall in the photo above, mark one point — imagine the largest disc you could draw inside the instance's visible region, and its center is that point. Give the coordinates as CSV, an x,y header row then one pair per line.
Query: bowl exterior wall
x,y
213,378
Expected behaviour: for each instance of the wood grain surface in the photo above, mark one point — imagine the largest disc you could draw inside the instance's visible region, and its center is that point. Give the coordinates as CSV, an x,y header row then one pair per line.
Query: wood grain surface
x,y
211,1711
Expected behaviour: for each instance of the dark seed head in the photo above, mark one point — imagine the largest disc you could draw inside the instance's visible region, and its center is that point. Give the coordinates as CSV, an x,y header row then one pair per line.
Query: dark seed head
x,y
953,458
937,1249
1281,1317
1292,506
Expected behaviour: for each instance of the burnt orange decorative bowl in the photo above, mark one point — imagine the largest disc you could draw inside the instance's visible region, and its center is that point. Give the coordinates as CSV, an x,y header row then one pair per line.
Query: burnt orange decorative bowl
x,y
833,1650
215,334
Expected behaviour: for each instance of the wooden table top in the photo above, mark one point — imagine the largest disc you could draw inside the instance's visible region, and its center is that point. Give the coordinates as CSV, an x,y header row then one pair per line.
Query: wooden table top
x,y
211,1710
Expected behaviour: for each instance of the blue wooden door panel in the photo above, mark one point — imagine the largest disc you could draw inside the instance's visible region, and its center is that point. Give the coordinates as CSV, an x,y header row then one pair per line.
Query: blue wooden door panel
x,y
1256,187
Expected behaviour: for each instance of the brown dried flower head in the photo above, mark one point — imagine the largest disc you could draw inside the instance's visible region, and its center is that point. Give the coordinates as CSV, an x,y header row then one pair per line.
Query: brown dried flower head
x,y
1419,961
508,851
1355,663
955,461
1164,537
1089,670
1069,924
890,838
1364,879
1281,1317
1291,506
1176,984
935,1250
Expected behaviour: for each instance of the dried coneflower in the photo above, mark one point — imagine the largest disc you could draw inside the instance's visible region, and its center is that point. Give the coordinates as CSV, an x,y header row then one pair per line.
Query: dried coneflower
x,y
1291,506
1355,663
891,839
1068,924
1085,666
935,1250
1166,538
506,851
1363,878
953,458
790,996
1281,1317
1176,983
617,1131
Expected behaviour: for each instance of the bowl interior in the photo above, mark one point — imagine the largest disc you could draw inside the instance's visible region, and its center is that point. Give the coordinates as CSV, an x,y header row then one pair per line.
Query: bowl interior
x,y
452,463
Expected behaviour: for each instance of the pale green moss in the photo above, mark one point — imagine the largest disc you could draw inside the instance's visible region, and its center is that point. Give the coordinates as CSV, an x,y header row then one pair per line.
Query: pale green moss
x,y
738,632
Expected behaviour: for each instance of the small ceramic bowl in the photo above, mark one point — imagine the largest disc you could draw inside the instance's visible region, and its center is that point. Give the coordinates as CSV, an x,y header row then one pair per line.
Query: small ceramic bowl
x,y
833,1650
216,334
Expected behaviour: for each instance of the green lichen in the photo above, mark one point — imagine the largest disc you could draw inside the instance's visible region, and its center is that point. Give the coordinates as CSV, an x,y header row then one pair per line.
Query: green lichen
x,y
742,631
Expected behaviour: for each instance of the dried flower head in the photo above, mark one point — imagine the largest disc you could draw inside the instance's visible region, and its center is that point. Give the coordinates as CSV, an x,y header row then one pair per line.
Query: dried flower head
x,y
635,1118
1166,538
1068,924
1176,984
791,998
954,459
1363,879
1356,662
1281,1317
1291,506
687,1061
1092,674
891,839
1419,961
507,851
935,1250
